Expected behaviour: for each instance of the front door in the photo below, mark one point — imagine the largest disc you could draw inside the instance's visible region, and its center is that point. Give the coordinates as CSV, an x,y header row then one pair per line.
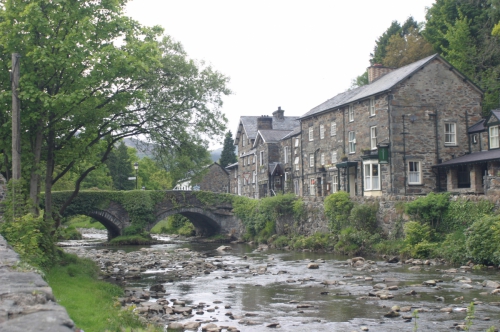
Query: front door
x,y
352,181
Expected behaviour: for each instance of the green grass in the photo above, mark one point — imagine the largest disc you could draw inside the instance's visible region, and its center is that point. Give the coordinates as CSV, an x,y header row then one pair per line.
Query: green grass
x,y
132,240
84,222
162,224
90,303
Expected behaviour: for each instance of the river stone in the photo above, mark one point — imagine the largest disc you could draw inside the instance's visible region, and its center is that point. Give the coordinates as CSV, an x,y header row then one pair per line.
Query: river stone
x,y
157,288
405,309
380,286
429,283
414,268
447,309
466,286
304,305
209,326
182,310
392,314
313,266
273,325
176,326
192,325
491,284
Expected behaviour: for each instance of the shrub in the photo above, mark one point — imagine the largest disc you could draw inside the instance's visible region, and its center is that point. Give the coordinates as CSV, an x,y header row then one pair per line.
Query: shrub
x,y
462,213
338,208
30,237
453,248
134,229
68,233
424,249
415,233
429,209
352,241
364,216
483,240
281,242
389,247
187,230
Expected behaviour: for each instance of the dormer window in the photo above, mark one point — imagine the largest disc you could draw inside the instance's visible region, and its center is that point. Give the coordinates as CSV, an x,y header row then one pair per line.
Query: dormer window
x,y
494,137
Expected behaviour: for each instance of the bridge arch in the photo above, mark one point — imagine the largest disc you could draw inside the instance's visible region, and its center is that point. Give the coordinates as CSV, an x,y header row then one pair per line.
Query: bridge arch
x,y
112,223
204,222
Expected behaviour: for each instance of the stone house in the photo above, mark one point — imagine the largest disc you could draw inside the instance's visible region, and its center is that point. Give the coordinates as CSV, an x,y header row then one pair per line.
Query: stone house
x,y
392,135
257,140
216,179
233,178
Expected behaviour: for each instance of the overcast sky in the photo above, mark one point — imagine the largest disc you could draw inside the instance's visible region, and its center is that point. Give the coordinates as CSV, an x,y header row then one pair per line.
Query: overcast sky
x,y
293,54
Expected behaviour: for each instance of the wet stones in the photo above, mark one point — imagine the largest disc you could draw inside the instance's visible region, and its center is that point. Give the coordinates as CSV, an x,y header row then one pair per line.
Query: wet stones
x,y
313,266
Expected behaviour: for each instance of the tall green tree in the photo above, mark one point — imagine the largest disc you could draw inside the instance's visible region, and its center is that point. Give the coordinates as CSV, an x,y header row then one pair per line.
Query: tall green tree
x,y
120,168
407,48
461,31
228,154
91,77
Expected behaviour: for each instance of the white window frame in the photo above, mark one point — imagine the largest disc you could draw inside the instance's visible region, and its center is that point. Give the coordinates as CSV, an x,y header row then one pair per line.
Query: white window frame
x,y
235,174
243,143
311,134
334,157
254,158
335,183
254,177
248,160
372,106
414,173
311,160
312,187
352,141
261,158
285,185
373,137
450,133
297,142
297,163
493,137
322,159
286,154
371,182
321,131
333,129
351,113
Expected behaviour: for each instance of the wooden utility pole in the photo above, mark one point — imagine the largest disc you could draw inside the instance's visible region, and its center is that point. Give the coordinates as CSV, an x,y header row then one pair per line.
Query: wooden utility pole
x,y
16,118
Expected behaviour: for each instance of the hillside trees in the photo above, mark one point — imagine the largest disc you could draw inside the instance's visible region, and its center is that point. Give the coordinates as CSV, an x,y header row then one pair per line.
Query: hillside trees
x,y
228,155
91,77
461,31
120,168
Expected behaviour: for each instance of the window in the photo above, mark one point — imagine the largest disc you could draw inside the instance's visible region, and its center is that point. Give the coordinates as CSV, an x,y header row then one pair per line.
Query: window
x,y
296,188
322,159
243,140
235,174
351,113
335,183
372,106
333,129
463,176
322,131
286,180
254,178
450,133
334,157
296,162
286,154
494,137
296,142
296,151
261,158
311,160
372,179
312,187
373,137
248,160
414,172
311,133
254,157
352,142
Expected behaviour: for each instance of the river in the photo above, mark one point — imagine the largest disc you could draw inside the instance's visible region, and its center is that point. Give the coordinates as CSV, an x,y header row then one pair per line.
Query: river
x,y
266,287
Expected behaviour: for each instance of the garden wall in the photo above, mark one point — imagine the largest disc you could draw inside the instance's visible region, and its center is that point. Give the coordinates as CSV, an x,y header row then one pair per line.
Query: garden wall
x,y
390,215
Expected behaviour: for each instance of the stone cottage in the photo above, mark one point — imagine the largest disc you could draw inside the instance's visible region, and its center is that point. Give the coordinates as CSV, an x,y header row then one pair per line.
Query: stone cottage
x,y
392,135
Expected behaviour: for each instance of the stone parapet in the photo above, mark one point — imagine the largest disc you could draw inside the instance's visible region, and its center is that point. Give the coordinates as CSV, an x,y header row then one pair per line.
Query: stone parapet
x,y
26,300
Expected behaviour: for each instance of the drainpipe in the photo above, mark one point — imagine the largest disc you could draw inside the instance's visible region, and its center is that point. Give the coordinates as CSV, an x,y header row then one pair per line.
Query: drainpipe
x,y
436,122
389,99
404,153
343,132
467,128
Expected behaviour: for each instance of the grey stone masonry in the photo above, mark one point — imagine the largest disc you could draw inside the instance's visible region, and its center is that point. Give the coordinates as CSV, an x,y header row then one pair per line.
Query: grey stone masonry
x,y
26,300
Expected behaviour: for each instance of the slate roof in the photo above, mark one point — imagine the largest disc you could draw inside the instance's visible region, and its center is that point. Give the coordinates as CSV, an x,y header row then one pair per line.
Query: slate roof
x,y
230,166
473,158
496,113
382,84
248,153
293,133
249,124
272,136
477,127
273,167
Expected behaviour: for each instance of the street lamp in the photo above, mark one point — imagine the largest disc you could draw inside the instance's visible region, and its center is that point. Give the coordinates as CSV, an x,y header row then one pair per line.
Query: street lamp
x,y
136,166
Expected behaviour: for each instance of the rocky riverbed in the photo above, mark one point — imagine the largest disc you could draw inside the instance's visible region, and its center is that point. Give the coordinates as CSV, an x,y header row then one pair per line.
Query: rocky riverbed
x,y
208,287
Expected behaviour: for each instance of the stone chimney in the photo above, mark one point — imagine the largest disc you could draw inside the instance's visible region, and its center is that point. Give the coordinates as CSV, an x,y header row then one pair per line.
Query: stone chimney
x,y
264,122
279,114
376,71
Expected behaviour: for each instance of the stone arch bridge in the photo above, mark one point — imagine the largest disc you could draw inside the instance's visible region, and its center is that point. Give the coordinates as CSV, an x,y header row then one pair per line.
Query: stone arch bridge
x,y
210,213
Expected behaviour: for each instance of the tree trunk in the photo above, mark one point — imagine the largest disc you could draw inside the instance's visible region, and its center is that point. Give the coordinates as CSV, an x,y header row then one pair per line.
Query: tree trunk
x,y
48,178
35,176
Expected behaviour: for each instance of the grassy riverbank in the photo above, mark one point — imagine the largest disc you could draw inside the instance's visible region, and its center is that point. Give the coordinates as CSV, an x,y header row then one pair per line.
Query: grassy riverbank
x,y
90,302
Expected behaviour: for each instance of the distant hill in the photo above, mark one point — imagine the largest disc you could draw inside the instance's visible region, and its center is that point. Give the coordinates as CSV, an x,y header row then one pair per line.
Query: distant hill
x,y
145,149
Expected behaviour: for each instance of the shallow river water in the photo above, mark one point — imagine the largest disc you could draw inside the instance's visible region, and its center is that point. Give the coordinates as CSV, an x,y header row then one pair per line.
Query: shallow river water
x,y
290,294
